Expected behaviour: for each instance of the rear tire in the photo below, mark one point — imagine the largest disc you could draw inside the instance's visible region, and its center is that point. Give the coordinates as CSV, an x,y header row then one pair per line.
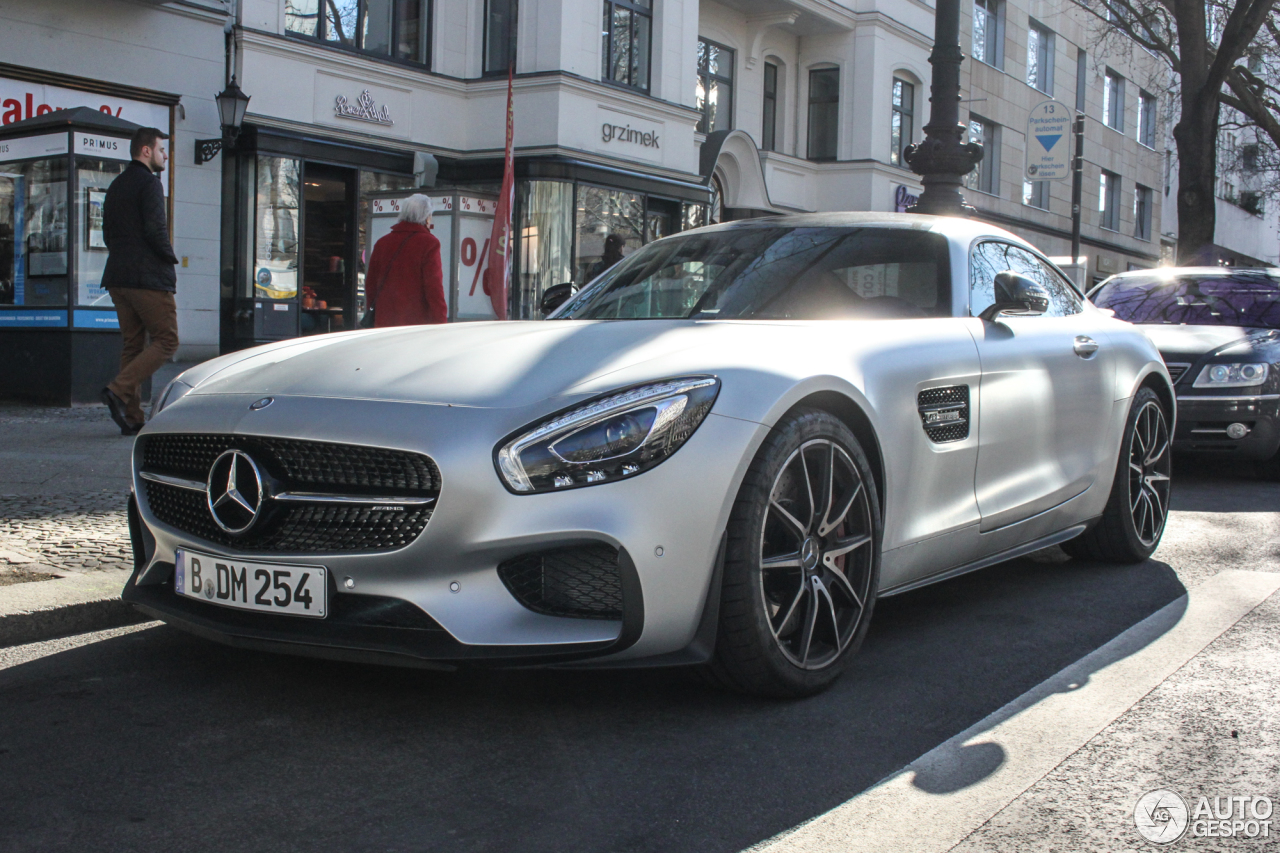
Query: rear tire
x,y
802,562
1134,518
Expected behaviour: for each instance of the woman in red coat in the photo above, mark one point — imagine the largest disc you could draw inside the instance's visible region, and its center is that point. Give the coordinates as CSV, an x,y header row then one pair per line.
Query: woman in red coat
x,y
405,285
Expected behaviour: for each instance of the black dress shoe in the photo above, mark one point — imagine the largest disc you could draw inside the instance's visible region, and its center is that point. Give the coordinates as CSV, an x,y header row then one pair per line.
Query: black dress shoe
x,y
131,429
116,407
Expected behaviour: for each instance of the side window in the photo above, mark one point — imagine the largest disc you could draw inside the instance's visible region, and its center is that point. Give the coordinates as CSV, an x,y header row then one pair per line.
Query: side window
x,y
991,258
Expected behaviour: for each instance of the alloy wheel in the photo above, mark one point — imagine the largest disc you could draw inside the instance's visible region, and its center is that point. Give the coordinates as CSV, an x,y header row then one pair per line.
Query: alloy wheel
x,y
1149,468
817,547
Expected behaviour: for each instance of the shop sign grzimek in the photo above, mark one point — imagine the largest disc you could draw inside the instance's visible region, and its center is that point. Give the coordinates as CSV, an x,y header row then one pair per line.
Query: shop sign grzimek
x,y
630,136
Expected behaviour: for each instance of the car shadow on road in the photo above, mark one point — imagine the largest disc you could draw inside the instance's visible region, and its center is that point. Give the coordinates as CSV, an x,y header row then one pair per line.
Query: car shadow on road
x,y
158,740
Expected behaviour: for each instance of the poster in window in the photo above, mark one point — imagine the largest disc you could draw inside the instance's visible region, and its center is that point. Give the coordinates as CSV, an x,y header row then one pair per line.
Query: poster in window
x,y
94,199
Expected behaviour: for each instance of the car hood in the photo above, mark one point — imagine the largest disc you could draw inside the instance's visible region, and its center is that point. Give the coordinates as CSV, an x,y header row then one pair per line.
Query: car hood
x,y
1191,343
489,365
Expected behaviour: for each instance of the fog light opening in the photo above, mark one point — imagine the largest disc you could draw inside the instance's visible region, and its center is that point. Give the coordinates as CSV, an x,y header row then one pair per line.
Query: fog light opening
x,y
1237,431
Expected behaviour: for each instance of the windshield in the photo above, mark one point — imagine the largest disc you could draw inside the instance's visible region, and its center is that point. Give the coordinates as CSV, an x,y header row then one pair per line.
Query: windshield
x,y
1238,299
775,273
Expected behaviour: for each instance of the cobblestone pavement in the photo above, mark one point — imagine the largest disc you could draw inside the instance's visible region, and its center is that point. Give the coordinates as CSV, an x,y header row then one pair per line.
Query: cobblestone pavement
x,y
64,484
78,533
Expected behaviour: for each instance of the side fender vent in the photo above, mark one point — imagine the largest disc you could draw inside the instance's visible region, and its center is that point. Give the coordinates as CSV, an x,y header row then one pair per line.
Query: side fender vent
x,y
944,413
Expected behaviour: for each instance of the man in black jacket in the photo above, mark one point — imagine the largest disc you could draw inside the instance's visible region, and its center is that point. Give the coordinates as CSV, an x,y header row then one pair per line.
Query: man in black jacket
x,y
139,275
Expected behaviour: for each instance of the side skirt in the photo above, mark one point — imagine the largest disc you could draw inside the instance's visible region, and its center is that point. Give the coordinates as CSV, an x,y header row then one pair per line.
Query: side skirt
x,y
1012,553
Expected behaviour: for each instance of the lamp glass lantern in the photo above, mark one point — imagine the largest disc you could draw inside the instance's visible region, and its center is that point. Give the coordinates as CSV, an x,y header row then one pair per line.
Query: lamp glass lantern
x,y
232,105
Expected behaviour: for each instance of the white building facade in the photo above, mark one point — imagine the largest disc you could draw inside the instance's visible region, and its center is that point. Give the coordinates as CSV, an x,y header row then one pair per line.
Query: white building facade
x,y
633,118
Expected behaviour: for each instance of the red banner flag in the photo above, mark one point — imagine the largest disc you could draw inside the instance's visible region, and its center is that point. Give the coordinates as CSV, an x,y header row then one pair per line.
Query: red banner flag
x,y
498,275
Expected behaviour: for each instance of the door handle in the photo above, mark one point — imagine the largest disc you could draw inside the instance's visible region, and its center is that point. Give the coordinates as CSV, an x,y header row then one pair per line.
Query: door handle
x,y
1085,346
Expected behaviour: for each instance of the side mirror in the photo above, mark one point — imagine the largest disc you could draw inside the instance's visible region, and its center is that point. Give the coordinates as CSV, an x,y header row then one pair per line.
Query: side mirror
x,y
555,296
1016,294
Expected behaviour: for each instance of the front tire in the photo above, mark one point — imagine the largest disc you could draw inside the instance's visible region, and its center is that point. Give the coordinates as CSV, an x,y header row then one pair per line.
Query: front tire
x,y
1134,518
802,561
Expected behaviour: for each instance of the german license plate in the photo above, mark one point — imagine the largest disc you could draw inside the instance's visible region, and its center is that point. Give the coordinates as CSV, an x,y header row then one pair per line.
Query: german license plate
x,y
266,587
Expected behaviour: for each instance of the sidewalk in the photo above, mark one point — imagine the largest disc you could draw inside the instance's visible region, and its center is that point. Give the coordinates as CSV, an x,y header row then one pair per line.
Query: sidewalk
x,y
64,535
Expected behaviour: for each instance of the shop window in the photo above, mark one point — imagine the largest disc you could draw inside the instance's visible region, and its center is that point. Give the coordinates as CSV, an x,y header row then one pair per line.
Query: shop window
x,y
546,235
1036,194
1040,57
988,32
902,124
824,113
395,28
276,217
33,233
610,225
626,37
1113,101
714,96
769,124
1142,203
692,215
986,176
93,176
1109,200
500,18
1147,119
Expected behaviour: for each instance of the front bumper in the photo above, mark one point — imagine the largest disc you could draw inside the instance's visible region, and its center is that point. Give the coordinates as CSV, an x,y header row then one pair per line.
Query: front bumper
x,y
666,525
1203,421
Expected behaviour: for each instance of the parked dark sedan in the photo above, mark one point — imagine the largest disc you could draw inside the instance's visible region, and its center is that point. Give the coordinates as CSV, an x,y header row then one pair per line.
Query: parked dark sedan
x,y
1218,330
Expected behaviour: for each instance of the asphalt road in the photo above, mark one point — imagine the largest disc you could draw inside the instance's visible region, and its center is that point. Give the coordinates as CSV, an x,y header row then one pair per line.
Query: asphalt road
x,y
152,740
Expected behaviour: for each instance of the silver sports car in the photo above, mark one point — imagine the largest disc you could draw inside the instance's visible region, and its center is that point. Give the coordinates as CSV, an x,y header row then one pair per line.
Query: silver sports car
x,y
721,452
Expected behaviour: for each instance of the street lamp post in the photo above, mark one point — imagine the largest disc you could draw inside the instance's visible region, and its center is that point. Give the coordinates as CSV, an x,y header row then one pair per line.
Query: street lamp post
x,y
232,105
944,158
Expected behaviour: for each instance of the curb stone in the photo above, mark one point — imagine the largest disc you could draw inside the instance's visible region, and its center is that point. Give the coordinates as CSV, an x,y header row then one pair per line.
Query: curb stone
x,y
45,610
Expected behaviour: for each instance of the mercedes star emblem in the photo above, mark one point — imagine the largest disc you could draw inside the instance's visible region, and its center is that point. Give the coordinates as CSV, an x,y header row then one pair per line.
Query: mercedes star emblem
x,y
234,491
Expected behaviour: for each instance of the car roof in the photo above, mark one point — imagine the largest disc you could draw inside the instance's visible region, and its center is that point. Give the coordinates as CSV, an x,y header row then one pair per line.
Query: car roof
x,y
1204,272
955,227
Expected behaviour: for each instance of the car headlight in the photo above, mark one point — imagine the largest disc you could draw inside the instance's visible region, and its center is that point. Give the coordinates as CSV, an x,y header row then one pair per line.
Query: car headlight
x,y
607,439
1231,375
172,393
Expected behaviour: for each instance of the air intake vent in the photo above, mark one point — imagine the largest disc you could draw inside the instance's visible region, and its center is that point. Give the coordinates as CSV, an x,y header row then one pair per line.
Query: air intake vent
x,y
944,412
581,582
1176,369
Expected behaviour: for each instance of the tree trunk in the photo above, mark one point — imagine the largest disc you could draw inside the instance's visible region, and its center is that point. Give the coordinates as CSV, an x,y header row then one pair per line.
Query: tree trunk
x,y
1197,139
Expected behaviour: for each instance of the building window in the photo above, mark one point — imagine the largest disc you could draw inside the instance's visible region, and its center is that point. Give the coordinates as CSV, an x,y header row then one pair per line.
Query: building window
x,y
1036,194
903,122
714,97
1250,157
986,177
626,33
1113,101
988,31
769,127
1082,66
397,28
1147,118
1040,58
1109,200
500,18
1142,199
824,113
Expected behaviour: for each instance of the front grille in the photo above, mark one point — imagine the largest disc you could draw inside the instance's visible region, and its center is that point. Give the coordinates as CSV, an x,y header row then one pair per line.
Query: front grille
x,y
1176,369
303,528
304,464
294,464
581,581
944,413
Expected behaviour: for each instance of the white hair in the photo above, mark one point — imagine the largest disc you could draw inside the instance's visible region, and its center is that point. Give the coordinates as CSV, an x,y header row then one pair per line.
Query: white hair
x,y
416,208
